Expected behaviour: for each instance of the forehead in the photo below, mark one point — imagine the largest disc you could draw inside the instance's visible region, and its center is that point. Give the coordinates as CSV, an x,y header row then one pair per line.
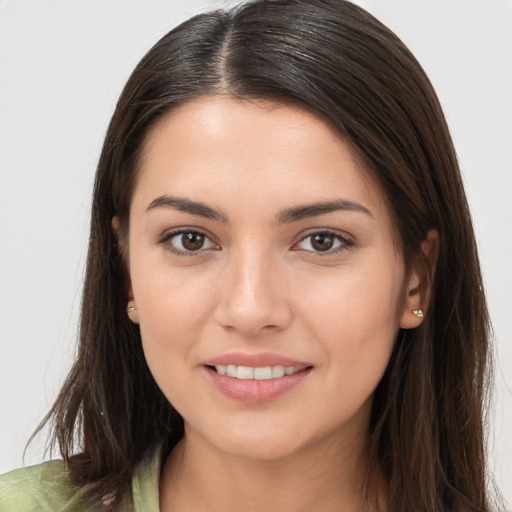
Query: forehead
x,y
222,148
216,123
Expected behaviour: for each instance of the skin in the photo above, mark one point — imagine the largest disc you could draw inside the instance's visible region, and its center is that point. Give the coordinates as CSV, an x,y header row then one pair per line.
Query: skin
x,y
258,285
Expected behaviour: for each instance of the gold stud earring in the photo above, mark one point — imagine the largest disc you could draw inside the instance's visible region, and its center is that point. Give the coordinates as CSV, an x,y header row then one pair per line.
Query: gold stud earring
x,y
418,312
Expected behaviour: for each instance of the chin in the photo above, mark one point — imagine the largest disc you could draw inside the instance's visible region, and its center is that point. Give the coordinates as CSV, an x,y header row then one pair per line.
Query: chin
x,y
261,442
258,449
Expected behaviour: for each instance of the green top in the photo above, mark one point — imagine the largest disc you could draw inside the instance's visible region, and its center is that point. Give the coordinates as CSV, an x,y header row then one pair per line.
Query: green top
x,y
47,487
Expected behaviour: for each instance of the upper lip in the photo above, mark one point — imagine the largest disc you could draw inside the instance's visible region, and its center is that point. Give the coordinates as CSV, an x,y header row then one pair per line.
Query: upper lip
x,y
256,360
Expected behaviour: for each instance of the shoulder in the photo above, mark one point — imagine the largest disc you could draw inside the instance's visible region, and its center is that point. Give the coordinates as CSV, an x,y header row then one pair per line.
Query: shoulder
x,y
48,487
45,487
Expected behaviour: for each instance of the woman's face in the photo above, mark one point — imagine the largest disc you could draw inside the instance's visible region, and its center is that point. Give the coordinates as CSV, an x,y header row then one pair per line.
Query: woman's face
x,y
268,288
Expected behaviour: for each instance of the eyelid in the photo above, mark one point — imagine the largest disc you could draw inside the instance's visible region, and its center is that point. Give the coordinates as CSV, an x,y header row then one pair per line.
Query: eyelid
x,y
168,235
347,241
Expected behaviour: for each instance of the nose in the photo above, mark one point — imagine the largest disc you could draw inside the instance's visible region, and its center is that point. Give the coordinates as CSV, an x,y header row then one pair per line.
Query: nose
x,y
253,295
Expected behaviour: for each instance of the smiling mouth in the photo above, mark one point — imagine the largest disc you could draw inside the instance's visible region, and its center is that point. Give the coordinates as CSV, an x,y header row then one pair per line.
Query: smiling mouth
x,y
256,373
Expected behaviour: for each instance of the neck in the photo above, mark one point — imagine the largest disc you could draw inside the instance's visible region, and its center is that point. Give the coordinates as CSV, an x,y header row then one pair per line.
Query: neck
x,y
329,477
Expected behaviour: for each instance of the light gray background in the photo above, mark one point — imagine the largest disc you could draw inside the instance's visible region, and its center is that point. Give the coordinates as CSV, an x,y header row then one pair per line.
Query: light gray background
x,y
62,66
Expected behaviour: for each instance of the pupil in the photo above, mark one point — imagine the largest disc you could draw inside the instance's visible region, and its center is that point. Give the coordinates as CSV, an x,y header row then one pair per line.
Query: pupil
x,y
193,241
322,242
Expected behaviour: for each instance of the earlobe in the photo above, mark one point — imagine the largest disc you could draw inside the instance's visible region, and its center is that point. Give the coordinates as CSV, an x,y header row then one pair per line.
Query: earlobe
x,y
413,304
131,311
115,224
419,289
131,308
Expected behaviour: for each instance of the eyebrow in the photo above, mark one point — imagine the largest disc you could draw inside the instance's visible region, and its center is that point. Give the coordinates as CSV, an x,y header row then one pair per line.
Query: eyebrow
x,y
312,210
187,206
288,215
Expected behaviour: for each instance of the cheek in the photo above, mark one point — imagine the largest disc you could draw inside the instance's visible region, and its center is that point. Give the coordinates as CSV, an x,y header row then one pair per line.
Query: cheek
x,y
172,311
354,318
368,299
172,314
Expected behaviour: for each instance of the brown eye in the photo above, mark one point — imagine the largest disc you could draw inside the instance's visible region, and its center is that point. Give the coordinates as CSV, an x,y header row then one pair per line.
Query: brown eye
x,y
322,242
192,241
187,242
325,242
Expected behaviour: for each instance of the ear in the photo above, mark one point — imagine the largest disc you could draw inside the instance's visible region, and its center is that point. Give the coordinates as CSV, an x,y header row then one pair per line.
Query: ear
x,y
419,287
131,311
131,308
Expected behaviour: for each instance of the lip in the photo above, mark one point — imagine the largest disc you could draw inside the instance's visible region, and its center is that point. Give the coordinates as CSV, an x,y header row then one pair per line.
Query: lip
x,y
256,360
255,391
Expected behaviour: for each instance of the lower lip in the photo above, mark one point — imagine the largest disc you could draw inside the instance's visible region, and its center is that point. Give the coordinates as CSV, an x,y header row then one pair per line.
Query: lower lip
x,y
255,391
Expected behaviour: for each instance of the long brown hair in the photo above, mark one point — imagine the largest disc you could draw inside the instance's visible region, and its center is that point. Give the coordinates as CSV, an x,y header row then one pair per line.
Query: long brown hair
x,y
335,59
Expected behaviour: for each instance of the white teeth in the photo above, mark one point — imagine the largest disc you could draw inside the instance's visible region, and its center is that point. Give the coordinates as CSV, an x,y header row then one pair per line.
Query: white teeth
x,y
245,373
260,373
277,371
263,373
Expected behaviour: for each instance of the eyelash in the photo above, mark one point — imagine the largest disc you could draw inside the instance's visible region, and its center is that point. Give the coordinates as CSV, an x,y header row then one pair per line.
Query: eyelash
x,y
346,242
167,237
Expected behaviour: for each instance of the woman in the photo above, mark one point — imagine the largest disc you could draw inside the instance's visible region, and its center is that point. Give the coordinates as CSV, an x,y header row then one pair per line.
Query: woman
x,y
283,305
